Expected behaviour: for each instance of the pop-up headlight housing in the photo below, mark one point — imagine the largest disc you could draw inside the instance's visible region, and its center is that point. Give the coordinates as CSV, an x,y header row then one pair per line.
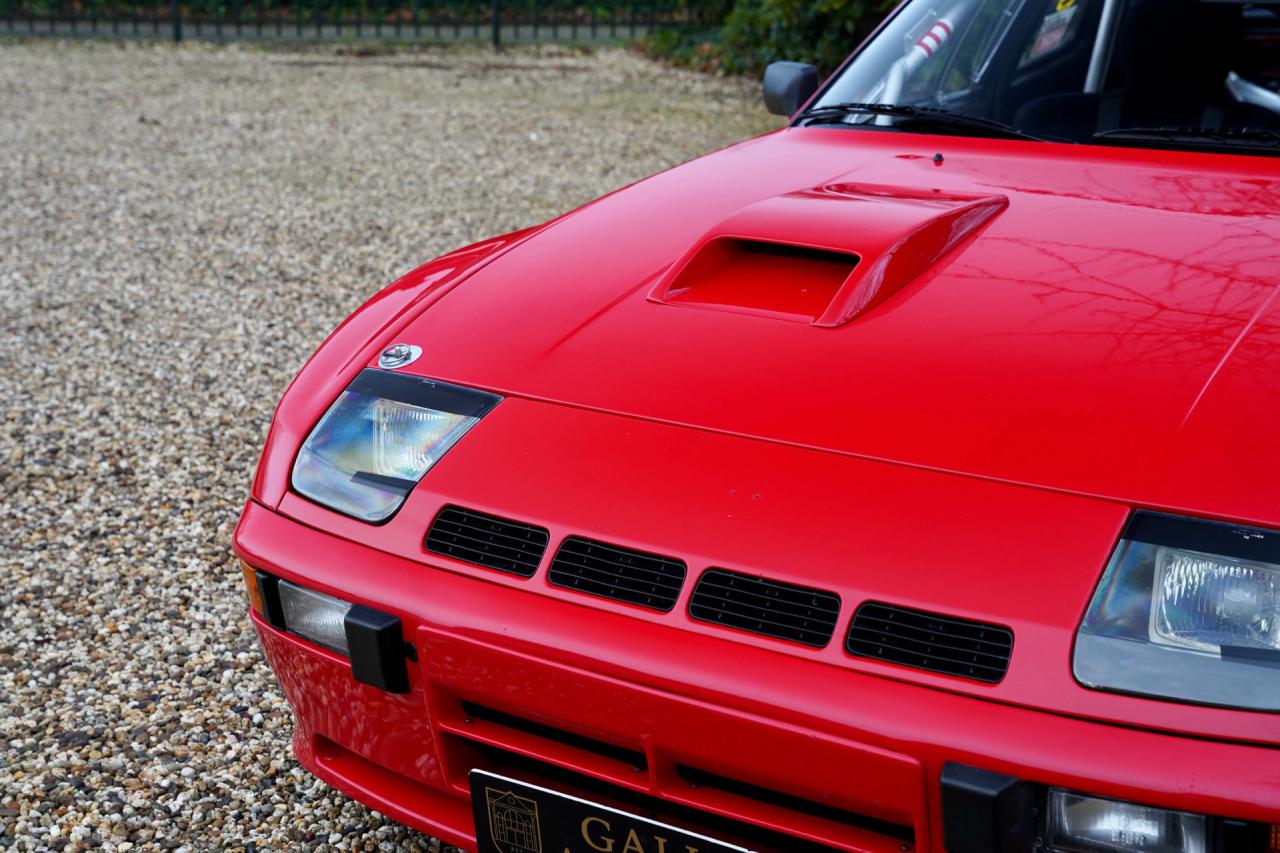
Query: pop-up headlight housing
x,y
1187,610
380,437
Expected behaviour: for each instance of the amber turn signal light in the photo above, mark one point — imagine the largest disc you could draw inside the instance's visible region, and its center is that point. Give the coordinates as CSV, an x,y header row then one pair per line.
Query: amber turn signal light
x,y
251,588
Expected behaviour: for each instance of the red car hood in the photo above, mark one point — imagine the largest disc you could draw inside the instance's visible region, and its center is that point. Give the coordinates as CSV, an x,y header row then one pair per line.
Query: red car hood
x,y
1099,321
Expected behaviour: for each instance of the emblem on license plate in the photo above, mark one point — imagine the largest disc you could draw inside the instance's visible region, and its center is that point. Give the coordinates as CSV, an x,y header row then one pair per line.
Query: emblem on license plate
x,y
513,822
516,817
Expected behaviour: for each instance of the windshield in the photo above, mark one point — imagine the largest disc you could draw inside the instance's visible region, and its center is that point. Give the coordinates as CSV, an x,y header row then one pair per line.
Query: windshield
x,y
1202,74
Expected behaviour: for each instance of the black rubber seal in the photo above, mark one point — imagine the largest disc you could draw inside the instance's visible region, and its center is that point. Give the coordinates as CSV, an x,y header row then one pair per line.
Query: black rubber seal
x,y
1207,537
425,393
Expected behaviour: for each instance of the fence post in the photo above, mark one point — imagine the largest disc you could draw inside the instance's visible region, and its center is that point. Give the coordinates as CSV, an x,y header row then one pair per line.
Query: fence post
x,y
497,24
175,10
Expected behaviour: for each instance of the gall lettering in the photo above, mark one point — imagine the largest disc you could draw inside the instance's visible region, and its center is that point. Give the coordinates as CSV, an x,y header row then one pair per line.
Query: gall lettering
x,y
598,834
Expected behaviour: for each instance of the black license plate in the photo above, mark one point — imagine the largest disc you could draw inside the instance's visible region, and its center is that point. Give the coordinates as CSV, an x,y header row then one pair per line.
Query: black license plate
x,y
515,817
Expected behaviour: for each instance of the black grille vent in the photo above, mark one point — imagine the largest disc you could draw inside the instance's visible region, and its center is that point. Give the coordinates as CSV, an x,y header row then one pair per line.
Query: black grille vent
x,y
630,757
703,779
487,540
928,641
618,573
766,607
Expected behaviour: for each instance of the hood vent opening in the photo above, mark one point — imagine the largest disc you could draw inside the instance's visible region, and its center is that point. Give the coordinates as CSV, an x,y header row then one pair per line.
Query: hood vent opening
x,y
756,277
826,255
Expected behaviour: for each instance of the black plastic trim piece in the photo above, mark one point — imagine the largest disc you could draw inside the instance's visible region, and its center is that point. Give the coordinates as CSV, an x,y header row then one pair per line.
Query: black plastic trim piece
x,y
375,643
1250,654
395,485
426,393
1238,836
269,591
1206,537
986,812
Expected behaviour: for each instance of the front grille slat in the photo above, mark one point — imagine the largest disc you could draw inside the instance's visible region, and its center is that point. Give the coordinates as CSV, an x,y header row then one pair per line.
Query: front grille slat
x,y
617,588
657,576
488,541
617,573
482,544
939,659
492,536
931,642
762,606
747,598
936,641
598,547
734,608
971,630
587,576
765,590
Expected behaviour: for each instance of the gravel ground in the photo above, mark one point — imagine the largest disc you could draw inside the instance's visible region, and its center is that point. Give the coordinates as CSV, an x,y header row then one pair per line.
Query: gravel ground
x,y
179,227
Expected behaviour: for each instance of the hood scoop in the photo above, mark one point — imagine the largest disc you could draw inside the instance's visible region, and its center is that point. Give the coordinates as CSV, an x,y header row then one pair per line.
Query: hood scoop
x,y
823,256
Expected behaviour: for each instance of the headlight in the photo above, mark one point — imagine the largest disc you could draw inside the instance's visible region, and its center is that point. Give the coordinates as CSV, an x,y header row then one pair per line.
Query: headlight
x,y
1187,610
380,437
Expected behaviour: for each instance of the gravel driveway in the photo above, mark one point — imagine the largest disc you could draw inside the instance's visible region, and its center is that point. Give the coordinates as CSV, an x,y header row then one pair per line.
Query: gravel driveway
x,y
178,229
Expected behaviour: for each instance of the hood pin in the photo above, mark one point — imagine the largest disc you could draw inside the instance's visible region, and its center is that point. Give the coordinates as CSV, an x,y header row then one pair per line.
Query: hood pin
x,y
398,355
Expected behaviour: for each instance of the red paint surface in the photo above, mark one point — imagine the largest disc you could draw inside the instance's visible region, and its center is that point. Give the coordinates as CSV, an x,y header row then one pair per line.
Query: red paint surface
x,y
969,439
1064,346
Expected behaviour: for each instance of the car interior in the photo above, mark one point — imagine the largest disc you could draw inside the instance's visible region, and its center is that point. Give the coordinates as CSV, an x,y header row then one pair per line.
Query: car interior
x,y
1171,67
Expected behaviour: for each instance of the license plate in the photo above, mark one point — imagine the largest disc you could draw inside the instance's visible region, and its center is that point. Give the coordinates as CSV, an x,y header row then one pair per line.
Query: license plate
x,y
516,817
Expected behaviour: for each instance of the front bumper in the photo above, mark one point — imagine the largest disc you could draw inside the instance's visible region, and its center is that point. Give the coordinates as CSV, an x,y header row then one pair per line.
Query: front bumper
x,y
641,715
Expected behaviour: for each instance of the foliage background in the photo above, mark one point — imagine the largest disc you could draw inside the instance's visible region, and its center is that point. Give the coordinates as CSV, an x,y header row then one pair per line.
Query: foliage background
x,y
724,36
757,32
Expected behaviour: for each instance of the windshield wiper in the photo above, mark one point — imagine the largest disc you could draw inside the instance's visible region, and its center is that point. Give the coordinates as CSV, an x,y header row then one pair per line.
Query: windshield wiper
x,y
1242,138
917,118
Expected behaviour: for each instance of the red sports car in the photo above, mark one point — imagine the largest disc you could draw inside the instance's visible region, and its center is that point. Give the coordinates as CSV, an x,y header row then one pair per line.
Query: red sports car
x,y
907,479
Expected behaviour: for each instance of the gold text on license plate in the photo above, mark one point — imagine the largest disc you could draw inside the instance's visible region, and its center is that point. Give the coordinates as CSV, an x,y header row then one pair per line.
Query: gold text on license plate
x,y
515,828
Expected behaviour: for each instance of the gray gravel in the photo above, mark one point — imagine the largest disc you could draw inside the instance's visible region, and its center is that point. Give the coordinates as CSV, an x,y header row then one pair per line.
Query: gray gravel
x,y
179,227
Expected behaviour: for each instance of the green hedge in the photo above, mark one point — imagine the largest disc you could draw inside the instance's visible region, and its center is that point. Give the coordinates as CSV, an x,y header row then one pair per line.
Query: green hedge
x,y
757,32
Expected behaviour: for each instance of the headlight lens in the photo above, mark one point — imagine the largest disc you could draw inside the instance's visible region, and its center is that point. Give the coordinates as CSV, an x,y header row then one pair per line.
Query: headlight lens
x,y
1211,603
380,437
1187,610
318,617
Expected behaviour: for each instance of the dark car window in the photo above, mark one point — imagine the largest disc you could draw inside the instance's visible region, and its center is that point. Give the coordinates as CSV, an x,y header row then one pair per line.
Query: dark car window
x,y
1058,30
1169,73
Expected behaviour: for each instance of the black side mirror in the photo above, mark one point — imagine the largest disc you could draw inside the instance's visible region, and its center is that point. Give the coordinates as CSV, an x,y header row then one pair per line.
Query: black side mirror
x,y
787,85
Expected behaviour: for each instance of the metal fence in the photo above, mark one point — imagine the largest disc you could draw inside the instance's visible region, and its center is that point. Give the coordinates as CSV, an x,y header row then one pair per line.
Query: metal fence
x,y
435,20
